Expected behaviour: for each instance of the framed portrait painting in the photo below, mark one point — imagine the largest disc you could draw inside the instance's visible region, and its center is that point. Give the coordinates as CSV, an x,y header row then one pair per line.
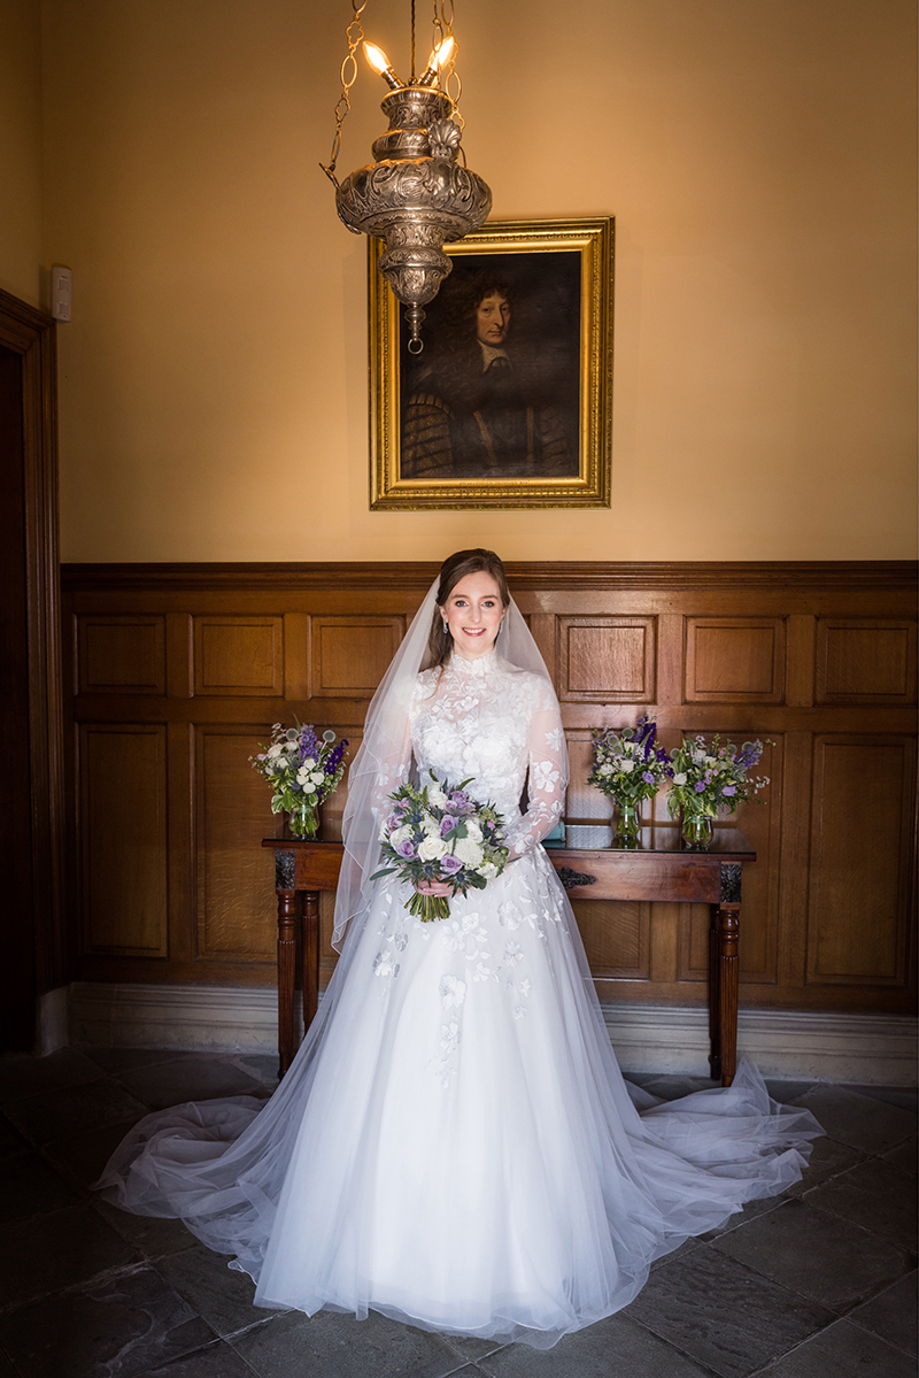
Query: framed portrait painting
x,y
509,402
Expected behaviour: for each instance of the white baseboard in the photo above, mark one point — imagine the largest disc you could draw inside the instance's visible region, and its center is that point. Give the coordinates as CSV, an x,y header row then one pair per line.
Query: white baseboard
x,y
53,1020
865,1049
236,1019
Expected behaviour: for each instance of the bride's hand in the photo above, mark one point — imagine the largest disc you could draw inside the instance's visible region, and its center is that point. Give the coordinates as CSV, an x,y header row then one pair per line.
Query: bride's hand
x,y
438,888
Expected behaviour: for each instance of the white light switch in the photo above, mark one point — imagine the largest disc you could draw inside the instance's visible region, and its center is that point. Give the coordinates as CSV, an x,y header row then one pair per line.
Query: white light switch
x,y
61,287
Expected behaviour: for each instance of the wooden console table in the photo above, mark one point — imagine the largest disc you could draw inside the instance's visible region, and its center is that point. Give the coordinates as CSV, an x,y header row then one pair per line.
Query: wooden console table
x,y
589,868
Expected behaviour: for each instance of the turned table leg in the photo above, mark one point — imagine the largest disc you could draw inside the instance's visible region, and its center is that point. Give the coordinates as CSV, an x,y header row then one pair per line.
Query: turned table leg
x,y
724,976
310,957
284,867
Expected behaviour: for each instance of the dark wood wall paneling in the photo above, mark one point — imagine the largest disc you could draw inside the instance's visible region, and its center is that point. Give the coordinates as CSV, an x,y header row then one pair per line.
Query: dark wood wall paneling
x,y
179,671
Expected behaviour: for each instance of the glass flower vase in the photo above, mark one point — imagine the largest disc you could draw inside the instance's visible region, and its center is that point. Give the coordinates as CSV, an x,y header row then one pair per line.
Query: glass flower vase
x,y
303,820
628,825
697,830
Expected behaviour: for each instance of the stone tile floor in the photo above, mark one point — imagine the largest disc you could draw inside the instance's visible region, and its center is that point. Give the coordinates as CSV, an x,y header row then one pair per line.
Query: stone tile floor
x,y
819,1281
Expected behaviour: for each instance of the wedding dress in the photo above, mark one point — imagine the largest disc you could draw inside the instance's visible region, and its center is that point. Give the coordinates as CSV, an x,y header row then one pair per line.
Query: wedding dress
x,y
454,1145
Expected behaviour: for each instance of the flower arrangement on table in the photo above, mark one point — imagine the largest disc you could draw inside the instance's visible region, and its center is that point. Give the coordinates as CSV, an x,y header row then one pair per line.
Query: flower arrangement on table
x,y
440,833
628,767
302,771
711,776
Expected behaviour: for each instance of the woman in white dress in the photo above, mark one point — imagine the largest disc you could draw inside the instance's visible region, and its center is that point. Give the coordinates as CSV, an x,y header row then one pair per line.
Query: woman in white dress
x,y
454,1145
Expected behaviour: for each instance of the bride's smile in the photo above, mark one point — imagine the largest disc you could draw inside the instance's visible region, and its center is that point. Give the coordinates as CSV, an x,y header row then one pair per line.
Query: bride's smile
x,y
473,614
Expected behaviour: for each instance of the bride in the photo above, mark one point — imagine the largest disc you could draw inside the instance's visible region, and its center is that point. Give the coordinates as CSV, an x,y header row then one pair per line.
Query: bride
x,y
454,1145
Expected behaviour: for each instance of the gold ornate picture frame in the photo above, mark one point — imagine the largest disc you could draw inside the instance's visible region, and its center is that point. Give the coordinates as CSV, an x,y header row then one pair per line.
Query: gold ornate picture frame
x,y
512,415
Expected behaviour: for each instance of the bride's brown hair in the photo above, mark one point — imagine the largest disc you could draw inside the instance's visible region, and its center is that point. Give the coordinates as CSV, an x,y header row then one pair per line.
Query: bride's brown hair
x,y
453,569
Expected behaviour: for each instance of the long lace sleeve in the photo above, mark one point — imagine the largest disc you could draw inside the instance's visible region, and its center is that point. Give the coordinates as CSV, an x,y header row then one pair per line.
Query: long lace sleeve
x,y
392,771
547,778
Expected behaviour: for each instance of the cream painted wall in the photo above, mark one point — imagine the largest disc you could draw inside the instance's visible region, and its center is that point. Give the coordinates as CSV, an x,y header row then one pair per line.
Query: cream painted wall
x,y
760,162
20,149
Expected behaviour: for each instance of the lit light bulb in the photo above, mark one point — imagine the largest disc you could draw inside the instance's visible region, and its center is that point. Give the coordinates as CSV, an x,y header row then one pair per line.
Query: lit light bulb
x,y
439,56
380,63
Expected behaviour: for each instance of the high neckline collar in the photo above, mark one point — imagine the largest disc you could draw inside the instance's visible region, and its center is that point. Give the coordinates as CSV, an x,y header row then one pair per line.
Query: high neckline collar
x,y
479,665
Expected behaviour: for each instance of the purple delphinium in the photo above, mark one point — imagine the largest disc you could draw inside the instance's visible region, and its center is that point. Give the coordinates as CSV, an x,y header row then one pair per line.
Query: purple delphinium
x,y
335,757
647,731
310,746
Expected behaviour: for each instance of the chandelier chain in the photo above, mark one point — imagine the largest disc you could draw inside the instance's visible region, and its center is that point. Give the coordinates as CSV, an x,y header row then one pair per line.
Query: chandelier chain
x,y
450,83
354,36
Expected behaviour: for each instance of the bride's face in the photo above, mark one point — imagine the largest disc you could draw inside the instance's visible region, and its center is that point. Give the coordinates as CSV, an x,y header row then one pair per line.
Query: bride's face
x,y
474,613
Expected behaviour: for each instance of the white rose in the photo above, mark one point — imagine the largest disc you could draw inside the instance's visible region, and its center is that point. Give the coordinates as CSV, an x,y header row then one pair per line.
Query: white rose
x,y
679,779
605,770
400,835
626,767
431,849
488,870
436,797
317,778
473,830
469,852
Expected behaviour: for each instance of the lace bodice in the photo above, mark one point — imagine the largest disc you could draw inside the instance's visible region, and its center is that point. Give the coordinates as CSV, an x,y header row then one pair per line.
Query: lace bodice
x,y
487,721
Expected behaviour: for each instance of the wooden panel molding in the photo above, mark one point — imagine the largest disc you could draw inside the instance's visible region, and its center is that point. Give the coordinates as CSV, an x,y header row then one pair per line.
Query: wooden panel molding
x,y
235,917
617,938
121,655
735,660
861,661
607,659
860,888
349,655
239,656
827,918
123,806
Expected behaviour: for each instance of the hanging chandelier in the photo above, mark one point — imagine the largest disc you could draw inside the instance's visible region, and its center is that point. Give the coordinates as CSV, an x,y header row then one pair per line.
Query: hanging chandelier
x,y
415,195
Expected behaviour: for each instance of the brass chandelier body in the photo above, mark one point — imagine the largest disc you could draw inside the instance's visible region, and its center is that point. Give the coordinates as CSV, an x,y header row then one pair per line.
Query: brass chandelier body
x,y
415,195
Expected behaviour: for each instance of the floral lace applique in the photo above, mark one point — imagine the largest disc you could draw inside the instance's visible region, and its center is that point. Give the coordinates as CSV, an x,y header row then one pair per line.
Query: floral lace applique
x,y
500,726
384,965
513,954
452,992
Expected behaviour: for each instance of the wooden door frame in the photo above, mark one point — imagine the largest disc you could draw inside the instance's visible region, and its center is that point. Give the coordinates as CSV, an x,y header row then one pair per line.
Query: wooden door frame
x,y
31,334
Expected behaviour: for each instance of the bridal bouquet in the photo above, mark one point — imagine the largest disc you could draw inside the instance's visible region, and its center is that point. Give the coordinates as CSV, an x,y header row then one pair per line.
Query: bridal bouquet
x,y
714,775
439,833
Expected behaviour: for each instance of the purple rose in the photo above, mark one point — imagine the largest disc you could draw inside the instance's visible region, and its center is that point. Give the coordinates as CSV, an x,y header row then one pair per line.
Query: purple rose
x,y
647,777
393,822
699,787
447,824
450,864
406,849
729,790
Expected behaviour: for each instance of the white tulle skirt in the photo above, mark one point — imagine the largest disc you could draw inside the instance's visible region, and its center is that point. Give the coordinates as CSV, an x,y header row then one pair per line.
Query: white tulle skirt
x,y
454,1145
